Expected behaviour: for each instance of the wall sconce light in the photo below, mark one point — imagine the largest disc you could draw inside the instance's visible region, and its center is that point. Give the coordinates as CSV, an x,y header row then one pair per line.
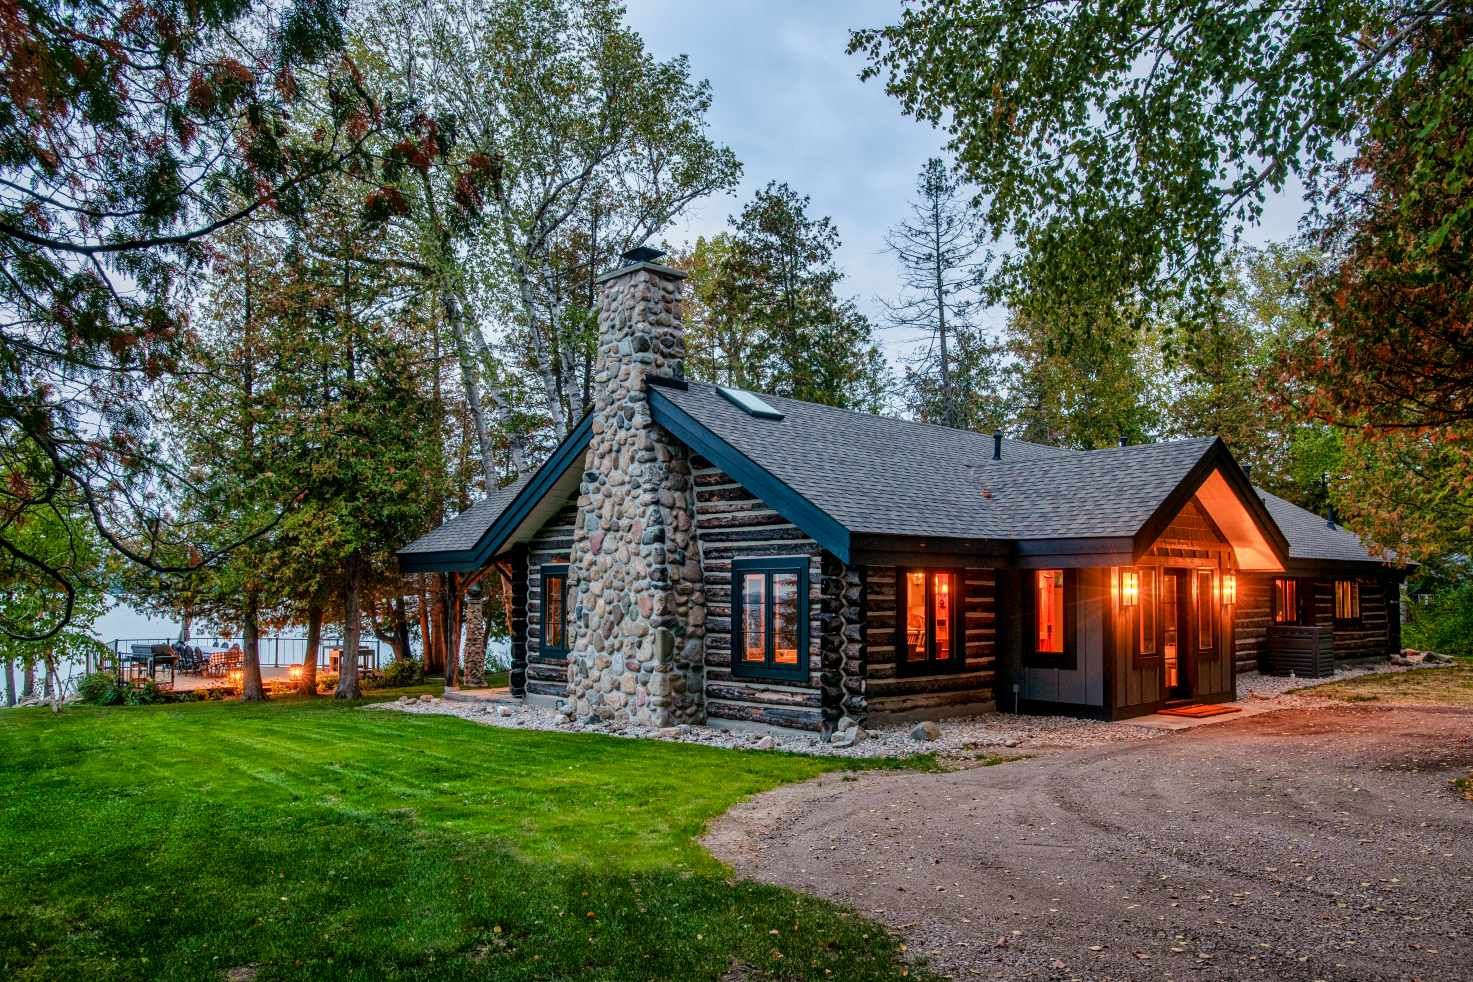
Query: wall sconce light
x,y
1229,589
1130,588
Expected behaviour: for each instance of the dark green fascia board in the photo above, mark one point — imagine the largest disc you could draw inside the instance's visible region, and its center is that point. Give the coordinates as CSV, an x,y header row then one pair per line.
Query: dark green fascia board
x,y
569,452
821,526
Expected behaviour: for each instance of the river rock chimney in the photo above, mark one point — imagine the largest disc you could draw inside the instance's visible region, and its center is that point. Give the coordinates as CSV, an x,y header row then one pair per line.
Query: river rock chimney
x,y
634,570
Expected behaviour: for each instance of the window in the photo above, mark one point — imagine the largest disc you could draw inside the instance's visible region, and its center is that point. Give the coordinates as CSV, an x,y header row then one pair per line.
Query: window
x,y
1052,616
554,643
930,629
769,624
1347,602
1145,613
1286,609
1206,611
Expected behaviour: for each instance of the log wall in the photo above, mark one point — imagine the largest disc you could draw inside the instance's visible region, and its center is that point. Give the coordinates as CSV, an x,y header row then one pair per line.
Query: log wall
x,y
546,677
732,523
1373,636
888,691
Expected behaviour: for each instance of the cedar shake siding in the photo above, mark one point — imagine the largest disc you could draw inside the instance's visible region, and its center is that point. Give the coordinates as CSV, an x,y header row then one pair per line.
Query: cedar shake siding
x,y
547,677
732,523
891,692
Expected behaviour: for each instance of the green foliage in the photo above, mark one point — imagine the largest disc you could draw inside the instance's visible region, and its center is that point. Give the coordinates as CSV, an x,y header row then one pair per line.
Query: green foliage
x,y
101,689
769,316
1444,623
1121,146
540,855
399,673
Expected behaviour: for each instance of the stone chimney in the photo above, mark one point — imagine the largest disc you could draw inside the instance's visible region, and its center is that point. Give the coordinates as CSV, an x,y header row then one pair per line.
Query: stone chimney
x,y
635,570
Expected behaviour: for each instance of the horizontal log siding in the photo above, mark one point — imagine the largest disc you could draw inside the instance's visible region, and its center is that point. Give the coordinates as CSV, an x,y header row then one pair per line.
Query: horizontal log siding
x,y
887,691
1368,639
550,546
733,524
1250,620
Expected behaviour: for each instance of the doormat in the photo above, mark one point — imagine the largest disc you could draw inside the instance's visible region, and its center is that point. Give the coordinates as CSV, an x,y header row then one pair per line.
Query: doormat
x,y
1201,711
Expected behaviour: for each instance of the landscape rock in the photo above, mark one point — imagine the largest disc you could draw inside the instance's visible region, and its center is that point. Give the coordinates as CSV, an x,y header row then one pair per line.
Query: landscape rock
x,y
925,731
503,711
766,743
847,738
426,698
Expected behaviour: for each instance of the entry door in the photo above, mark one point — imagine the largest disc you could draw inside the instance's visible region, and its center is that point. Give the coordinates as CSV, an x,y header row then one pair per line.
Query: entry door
x,y
1176,643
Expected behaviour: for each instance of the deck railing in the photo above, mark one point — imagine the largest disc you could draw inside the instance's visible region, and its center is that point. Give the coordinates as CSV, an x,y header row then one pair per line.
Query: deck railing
x,y
277,651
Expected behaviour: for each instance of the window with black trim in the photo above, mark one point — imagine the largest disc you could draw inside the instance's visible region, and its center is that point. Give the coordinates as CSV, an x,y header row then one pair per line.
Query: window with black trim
x,y
1287,608
1051,619
1347,601
554,636
769,622
930,621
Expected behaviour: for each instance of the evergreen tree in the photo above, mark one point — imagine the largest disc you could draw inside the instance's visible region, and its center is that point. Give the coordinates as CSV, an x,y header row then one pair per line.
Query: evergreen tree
x,y
954,379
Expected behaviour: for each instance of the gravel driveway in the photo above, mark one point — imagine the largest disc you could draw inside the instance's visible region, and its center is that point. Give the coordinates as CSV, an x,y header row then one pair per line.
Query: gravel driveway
x,y
1325,844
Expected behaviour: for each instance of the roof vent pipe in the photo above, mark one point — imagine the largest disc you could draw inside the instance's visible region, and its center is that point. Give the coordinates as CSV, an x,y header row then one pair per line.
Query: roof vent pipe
x,y
997,444
1123,441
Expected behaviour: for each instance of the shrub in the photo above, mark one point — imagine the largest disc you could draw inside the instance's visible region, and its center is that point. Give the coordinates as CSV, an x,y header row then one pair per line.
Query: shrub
x,y
398,674
147,693
326,683
101,689
1444,623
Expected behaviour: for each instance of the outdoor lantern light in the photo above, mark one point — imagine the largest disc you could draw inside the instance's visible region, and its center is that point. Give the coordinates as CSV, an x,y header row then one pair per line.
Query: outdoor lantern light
x,y
294,672
1229,589
1130,588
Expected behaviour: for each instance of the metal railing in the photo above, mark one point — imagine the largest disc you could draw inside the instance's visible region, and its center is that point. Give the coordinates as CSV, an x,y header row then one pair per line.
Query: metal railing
x,y
276,651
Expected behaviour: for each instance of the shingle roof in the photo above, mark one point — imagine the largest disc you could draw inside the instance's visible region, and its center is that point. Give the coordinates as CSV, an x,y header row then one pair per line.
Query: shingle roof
x,y
465,530
885,476
1311,536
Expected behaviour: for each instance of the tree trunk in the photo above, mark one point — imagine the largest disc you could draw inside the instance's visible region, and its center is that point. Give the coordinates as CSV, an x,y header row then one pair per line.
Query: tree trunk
x,y
474,674
251,689
352,625
401,631
437,647
450,631
53,682
28,681
314,642
186,624
9,682
422,612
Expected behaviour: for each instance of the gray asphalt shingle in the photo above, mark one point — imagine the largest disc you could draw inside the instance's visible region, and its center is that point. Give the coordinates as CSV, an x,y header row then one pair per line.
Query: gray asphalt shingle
x,y
1311,536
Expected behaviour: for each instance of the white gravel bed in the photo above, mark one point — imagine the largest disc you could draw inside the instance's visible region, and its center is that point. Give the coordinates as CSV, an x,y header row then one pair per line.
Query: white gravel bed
x,y
960,738
970,736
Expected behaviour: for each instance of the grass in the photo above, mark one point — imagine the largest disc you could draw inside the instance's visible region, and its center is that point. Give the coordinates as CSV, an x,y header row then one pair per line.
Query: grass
x,y
312,839
1452,686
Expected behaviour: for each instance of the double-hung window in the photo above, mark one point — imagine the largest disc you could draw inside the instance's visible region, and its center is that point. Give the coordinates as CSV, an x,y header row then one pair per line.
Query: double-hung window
x,y
1287,608
769,622
554,626
930,622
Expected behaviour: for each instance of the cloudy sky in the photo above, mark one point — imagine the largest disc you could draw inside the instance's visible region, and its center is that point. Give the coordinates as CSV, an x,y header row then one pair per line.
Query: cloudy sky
x,y
789,101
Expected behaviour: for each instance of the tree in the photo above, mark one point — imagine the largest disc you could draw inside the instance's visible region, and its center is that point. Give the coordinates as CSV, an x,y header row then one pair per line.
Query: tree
x,y
591,147
974,396
938,252
131,136
778,281
1121,147
1088,395
1390,359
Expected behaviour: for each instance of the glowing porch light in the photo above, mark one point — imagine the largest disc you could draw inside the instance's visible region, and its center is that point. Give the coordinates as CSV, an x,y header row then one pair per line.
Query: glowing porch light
x,y
1130,588
1229,589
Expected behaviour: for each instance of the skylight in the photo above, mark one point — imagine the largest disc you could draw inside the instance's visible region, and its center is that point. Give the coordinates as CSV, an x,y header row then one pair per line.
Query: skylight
x,y
749,403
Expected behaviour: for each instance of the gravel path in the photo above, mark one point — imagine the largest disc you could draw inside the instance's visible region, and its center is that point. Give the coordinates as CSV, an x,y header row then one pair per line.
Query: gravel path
x,y
1303,844
962,740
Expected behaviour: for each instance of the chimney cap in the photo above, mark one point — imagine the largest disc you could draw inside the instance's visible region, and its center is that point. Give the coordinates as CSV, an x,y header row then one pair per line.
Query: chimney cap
x,y
642,254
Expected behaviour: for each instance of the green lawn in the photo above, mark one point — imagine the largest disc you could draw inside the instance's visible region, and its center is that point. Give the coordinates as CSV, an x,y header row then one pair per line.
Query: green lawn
x,y
316,839
1451,686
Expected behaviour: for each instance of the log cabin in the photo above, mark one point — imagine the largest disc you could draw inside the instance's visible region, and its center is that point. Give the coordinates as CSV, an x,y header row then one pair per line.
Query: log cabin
x,y
698,554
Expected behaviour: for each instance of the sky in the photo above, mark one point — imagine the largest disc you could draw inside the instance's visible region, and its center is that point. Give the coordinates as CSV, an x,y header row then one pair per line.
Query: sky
x,y
789,102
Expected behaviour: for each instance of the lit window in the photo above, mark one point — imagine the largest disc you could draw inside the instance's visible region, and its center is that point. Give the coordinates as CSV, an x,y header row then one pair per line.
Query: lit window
x,y
931,625
770,629
554,612
1286,601
1049,611
1206,608
1146,613
1347,601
